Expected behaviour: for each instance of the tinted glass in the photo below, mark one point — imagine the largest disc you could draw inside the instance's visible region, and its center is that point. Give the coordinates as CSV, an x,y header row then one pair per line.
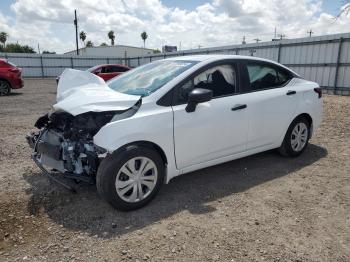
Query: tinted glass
x,y
147,79
94,68
263,76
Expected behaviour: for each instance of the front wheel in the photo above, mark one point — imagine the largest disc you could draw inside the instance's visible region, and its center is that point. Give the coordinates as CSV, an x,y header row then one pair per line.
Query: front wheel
x,y
296,138
130,179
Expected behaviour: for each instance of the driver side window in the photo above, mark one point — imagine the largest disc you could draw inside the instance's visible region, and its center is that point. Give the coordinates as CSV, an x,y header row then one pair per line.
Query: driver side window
x,y
222,80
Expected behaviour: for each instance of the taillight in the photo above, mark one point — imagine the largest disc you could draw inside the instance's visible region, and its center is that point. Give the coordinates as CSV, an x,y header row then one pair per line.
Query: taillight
x,y
318,90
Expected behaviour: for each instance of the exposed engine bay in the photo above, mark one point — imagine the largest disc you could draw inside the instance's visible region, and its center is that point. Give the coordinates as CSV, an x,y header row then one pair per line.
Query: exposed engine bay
x,y
65,142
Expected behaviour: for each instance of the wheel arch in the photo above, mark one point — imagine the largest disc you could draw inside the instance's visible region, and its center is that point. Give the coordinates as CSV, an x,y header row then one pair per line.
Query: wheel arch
x,y
306,116
148,144
6,80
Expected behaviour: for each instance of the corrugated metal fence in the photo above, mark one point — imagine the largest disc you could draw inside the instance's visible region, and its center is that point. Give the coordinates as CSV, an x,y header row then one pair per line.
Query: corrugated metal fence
x,y
35,65
323,59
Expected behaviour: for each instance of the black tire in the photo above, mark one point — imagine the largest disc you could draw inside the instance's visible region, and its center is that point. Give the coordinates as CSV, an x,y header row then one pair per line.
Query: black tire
x,y
286,148
5,88
109,168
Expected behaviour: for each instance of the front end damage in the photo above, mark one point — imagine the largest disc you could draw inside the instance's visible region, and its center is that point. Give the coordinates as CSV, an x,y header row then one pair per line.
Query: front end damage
x,y
64,143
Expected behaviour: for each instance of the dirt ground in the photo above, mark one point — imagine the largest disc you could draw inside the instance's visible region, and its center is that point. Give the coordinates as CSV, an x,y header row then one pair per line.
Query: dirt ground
x,y
259,208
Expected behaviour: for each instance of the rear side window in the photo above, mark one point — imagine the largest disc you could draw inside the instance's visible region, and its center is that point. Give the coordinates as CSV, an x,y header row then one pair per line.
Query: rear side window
x,y
265,76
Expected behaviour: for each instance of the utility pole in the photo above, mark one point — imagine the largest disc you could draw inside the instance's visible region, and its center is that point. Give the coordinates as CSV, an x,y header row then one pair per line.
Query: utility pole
x,y
257,40
310,32
38,49
243,40
281,36
275,32
76,30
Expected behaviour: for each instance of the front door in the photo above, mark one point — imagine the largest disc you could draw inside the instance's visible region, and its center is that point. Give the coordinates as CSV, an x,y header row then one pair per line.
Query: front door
x,y
216,128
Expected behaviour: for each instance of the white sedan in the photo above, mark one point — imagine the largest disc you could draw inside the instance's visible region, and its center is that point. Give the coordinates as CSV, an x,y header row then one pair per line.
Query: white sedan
x,y
171,117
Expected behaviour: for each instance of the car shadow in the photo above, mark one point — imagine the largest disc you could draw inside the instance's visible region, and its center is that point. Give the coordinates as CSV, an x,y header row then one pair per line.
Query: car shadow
x,y
14,94
86,212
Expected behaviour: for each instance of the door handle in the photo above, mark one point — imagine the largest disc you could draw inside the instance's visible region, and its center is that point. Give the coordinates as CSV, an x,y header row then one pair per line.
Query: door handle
x,y
238,107
291,92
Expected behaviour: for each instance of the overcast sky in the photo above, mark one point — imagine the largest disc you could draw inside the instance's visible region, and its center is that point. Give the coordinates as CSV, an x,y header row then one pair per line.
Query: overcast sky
x,y
191,22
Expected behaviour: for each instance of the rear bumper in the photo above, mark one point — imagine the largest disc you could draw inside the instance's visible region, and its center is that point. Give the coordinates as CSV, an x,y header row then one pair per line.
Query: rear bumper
x,y
17,83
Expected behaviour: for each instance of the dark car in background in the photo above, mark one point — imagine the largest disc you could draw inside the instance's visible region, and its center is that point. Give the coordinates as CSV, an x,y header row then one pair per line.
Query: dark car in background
x,y
107,71
10,77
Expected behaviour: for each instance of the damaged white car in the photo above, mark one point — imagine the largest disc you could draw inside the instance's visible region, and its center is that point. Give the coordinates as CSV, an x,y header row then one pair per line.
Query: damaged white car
x,y
170,117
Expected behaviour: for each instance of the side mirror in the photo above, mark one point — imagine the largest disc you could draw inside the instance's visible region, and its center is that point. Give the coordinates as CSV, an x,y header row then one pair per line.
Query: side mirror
x,y
196,96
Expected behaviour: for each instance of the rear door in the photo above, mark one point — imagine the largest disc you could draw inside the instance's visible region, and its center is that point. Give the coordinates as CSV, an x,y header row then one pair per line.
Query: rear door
x,y
217,128
271,103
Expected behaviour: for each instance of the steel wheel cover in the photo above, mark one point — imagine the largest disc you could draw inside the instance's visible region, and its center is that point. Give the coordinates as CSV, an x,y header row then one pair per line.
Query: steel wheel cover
x,y
136,179
299,137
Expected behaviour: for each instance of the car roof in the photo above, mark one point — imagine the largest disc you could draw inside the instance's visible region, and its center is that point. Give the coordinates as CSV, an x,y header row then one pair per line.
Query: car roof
x,y
217,57
114,65
201,58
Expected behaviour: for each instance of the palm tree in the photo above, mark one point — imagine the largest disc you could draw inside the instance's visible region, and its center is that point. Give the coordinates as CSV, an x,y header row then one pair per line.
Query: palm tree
x,y
89,43
144,37
345,10
82,36
3,38
111,36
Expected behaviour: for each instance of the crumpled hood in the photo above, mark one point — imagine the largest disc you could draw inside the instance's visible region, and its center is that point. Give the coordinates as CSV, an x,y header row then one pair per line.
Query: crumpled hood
x,y
81,91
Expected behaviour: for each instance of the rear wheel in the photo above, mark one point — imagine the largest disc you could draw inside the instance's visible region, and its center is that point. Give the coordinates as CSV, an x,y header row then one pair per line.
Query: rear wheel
x,y
5,88
130,179
296,138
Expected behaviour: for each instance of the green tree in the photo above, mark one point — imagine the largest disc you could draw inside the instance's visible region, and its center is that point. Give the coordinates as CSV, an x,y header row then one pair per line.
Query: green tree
x,y
156,51
89,44
82,36
103,44
144,36
17,48
48,52
111,36
3,38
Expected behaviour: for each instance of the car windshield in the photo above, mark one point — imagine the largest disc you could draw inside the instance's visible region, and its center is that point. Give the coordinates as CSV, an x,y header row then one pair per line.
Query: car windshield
x,y
146,79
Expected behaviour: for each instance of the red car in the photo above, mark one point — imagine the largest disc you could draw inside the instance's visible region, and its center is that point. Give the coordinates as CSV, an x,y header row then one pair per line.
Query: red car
x,y
107,71
10,77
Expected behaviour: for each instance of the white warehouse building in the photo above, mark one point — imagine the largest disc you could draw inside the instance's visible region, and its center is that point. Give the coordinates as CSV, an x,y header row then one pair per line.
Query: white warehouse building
x,y
114,50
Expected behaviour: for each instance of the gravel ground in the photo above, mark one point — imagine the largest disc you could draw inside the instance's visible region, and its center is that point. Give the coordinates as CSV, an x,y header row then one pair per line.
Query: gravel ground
x,y
259,208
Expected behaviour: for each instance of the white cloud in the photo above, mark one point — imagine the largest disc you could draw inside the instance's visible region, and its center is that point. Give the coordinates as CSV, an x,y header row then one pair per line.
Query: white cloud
x,y
218,22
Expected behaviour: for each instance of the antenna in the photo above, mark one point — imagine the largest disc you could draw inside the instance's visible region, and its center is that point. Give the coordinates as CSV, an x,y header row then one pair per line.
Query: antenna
x,y
257,40
310,32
